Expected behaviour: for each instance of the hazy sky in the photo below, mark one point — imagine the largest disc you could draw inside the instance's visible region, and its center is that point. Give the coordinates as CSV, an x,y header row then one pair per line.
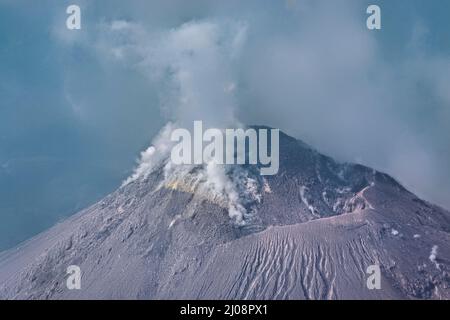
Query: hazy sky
x,y
77,107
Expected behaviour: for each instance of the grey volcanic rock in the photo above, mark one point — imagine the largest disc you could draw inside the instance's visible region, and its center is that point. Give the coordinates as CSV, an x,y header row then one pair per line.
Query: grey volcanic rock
x,y
310,232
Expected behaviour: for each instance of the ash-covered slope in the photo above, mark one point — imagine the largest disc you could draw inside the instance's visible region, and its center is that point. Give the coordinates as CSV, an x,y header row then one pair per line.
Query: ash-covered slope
x,y
309,232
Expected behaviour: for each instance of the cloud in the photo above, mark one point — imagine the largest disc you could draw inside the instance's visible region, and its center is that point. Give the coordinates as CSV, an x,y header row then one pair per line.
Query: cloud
x,y
328,80
195,62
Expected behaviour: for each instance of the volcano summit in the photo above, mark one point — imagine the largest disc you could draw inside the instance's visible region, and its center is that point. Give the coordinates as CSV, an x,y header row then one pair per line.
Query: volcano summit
x,y
226,232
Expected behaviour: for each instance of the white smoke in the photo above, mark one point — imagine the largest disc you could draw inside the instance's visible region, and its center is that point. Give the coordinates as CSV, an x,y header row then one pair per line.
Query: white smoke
x,y
195,62
193,65
153,155
230,186
217,179
433,256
